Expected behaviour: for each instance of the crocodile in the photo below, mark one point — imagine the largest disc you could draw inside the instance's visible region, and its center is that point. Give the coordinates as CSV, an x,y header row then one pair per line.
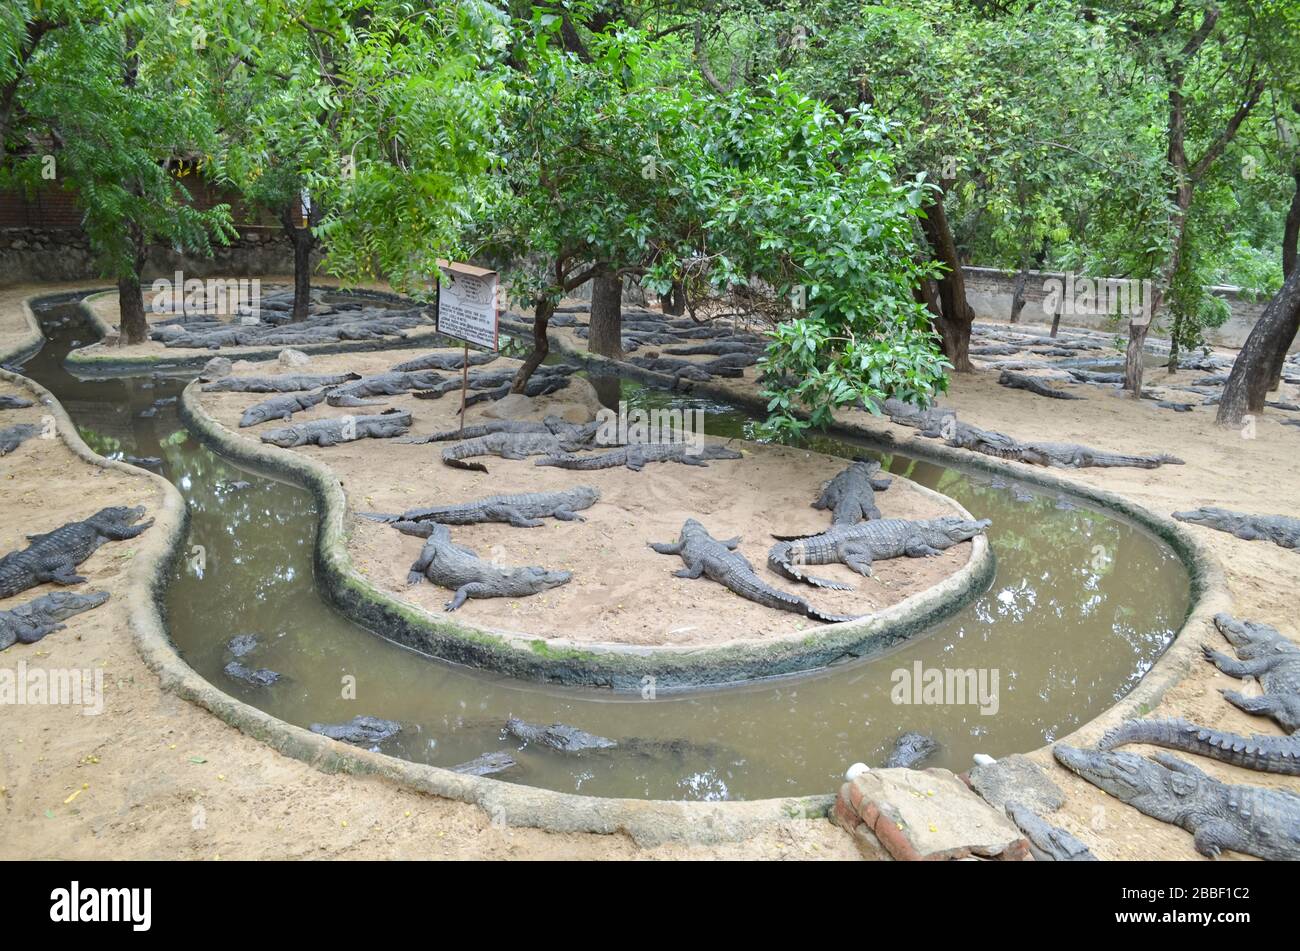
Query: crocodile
x,y
14,436
719,561
524,510
15,402
551,424
943,424
259,677
558,736
1047,843
1250,819
1032,384
281,406
359,731
455,567
53,556
638,455
851,495
331,432
510,445
382,384
285,383
444,360
858,546
28,623
486,765
717,349
1266,753
910,751
1270,657
1278,529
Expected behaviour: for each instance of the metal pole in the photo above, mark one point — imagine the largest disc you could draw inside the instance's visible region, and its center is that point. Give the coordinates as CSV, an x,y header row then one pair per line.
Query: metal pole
x,y
464,384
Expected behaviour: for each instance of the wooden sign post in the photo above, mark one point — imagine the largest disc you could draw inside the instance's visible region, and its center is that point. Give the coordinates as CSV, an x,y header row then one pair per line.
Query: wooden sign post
x,y
467,310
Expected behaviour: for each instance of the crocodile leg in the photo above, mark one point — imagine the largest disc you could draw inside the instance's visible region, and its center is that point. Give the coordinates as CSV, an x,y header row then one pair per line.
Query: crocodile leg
x,y
856,556
121,535
566,516
667,548
731,544
1213,835
1263,705
514,518
64,575
1238,668
917,547
465,592
422,563
691,570
34,634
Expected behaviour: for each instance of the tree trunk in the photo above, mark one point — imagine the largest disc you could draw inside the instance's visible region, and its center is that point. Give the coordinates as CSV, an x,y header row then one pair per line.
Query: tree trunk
x,y
1247,385
542,312
674,302
135,328
1177,329
1018,292
955,322
606,331
303,242
1290,238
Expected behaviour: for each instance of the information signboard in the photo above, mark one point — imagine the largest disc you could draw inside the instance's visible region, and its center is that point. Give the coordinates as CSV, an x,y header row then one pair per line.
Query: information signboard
x,y
467,304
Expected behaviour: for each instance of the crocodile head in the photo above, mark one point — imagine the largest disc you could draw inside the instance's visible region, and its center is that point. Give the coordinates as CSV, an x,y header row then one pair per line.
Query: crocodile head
x,y
116,516
61,605
1250,638
954,528
719,452
585,493
1152,787
543,579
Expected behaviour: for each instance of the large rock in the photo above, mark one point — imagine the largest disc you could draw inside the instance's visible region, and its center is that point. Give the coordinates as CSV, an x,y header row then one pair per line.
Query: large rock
x,y
576,403
217,367
293,358
914,815
1016,778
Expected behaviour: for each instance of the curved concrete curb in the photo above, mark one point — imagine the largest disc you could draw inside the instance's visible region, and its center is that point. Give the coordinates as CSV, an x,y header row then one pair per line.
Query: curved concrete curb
x,y
1209,589
620,666
99,361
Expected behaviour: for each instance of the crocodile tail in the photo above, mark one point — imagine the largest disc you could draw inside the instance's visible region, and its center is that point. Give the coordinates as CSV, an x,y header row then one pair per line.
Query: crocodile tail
x,y
795,538
380,516
1268,754
460,464
829,618
777,561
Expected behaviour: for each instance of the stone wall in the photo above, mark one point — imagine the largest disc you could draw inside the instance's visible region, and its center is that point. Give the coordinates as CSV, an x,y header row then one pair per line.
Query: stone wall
x,y
30,254
989,292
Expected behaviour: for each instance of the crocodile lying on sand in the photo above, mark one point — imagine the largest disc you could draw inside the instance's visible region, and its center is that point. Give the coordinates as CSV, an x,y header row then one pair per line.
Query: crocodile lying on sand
x,y
510,445
452,566
638,455
281,406
551,424
1278,529
851,495
1033,384
392,383
719,561
910,751
525,510
1249,819
14,436
28,623
943,424
444,360
359,731
53,555
1047,843
285,383
1266,753
858,546
1268,656
331,432
15,402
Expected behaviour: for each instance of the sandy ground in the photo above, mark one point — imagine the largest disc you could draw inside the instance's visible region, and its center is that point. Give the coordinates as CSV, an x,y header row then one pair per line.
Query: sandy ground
x,y
156,777
621,590
144,792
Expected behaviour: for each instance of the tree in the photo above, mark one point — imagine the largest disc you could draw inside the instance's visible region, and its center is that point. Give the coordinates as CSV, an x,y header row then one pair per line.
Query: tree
x,y
113,91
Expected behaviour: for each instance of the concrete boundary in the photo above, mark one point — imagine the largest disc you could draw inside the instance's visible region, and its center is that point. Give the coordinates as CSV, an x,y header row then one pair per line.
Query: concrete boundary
x,y
648,822
554,660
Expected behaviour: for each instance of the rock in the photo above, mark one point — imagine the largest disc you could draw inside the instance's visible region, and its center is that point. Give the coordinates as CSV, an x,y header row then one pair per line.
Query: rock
x,y
576,403
242,366
217,367
1016,778
293,358
511,406
914,815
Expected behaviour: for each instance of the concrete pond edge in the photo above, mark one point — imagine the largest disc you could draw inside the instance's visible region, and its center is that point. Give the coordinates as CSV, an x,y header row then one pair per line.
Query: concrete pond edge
x,y
647,822
555,660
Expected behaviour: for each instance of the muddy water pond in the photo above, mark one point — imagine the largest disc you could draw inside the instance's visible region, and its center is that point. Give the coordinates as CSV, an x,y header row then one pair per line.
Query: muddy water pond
x,y
1081,606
